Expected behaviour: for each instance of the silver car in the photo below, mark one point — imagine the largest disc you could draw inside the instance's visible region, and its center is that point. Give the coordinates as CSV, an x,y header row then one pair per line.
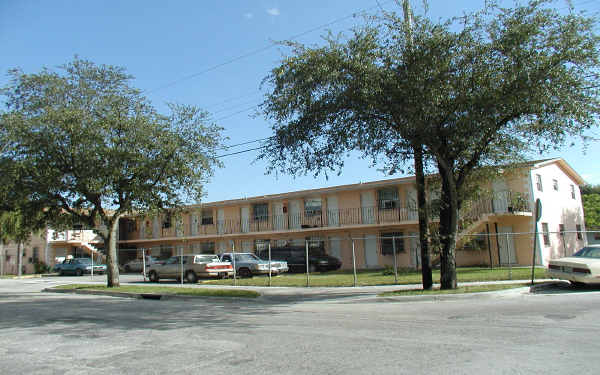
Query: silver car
x,y
248,264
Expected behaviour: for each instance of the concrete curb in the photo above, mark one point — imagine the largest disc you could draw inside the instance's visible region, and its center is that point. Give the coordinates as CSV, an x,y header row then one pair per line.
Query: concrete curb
x,y
35,276
458,296
149,296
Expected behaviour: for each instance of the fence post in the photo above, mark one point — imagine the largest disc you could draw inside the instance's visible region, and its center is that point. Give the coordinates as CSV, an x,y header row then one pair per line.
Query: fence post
x,y
144,263
354,261
307,271
509,260
181,264
233,260
395,263
92,271
269,263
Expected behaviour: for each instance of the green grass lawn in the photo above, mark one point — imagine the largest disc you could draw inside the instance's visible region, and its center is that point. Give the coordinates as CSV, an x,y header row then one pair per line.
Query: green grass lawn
x,y
7,276
372,277
463,289
165,290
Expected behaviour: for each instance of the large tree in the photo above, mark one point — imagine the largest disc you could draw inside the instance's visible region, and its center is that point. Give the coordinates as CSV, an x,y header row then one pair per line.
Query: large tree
x,y
474,91
91,148
590,196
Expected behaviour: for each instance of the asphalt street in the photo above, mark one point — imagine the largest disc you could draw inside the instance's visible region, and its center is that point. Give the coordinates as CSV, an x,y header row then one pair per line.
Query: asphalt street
x,y
554,331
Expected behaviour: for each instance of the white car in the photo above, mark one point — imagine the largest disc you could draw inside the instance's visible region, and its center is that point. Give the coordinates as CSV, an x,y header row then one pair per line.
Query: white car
x,y
583,267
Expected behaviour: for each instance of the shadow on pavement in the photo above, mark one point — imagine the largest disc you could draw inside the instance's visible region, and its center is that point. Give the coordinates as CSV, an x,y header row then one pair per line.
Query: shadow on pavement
x,y
563,287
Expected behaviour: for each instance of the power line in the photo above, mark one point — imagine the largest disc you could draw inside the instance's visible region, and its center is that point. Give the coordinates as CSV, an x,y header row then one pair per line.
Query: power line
x,y
241,152
245,143
262,49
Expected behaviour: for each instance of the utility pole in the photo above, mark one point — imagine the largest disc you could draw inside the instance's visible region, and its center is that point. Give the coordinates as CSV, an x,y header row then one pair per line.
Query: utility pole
x,y
419,175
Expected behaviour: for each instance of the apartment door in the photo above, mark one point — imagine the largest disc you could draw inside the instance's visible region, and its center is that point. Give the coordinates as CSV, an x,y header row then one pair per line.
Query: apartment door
x,y
501,197
221,220
245,219
415,250
295,216
371,258
194,225
333,213
335,247
506,242
367,205
411,204
279,219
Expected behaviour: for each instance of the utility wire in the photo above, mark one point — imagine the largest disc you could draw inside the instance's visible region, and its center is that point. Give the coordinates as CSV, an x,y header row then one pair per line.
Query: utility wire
x,y
259,50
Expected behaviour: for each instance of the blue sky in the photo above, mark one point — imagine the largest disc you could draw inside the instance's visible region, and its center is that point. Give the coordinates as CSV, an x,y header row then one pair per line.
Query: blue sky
x,y
213,54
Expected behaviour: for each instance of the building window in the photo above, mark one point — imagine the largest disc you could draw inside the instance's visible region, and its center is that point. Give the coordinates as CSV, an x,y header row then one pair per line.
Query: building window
x,y
572,191
538,182
167,221
261,245
578,229
555,184
207,248
165,252
387,198
315,243
207,216
312,207
561,230
546,234
260,211
387,243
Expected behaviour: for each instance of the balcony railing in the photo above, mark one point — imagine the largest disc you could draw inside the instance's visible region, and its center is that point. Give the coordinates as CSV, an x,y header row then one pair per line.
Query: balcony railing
x,y
81,235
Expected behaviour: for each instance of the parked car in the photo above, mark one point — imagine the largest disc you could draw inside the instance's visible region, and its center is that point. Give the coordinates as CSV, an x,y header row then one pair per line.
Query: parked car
x,y
583,267
194,266
137,265
296,259
79,266
58,266
248,264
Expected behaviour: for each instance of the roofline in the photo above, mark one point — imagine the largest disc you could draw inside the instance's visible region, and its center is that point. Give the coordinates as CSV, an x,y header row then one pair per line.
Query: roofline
x,y
562,163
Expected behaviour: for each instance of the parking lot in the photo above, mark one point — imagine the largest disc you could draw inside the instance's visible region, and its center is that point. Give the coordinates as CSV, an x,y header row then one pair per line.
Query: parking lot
x,y
546,333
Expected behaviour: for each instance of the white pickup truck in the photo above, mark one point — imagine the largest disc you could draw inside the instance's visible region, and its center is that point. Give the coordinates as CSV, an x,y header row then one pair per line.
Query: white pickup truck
x,y
191,266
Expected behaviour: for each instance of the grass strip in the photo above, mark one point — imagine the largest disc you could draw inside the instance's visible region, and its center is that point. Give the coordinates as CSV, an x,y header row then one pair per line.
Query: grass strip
x,y
459,290
199,292
381,277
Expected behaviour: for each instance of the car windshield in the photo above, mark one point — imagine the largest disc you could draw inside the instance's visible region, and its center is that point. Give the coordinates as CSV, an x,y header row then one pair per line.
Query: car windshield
x,y
206,258
246,258
588,252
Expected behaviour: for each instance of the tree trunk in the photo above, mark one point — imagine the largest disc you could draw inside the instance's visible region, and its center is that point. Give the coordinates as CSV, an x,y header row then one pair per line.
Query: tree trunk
x,y
2,258
19,259
112,258
448,229
423,219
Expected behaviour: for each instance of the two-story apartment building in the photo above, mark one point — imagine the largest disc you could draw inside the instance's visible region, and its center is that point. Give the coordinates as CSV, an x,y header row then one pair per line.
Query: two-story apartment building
x,y
364,218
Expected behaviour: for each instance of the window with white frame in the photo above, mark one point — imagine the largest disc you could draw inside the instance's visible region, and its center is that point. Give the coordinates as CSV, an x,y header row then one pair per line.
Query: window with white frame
x,y
261,245
312,207
387,198
546,234
207,216
260,211
573,191
555,184
538,182
387,243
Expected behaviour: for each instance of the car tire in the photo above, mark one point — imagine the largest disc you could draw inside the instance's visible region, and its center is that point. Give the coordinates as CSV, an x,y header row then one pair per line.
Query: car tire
x,y
127,268
78,272
153,276
312,268
245,272
191,277
61,273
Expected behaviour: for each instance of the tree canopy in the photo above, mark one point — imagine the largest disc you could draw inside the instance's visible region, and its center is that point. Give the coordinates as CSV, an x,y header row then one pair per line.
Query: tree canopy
x,y
475,91
89,147
590,195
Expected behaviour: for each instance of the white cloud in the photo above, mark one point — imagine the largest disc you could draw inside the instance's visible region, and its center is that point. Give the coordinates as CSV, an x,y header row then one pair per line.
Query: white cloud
x,y
273,11
248,16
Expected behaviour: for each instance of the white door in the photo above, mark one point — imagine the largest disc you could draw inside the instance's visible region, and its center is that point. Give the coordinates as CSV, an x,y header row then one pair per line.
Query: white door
x,y
371,258
415,250
221,220
335,246
295,215
333,213
279,218
245,219
367,205
194,225
155,227
507,245
411,204
501,196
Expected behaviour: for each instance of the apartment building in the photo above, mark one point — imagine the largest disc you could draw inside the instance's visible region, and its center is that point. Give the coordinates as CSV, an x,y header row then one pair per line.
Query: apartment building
x,y
372,219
